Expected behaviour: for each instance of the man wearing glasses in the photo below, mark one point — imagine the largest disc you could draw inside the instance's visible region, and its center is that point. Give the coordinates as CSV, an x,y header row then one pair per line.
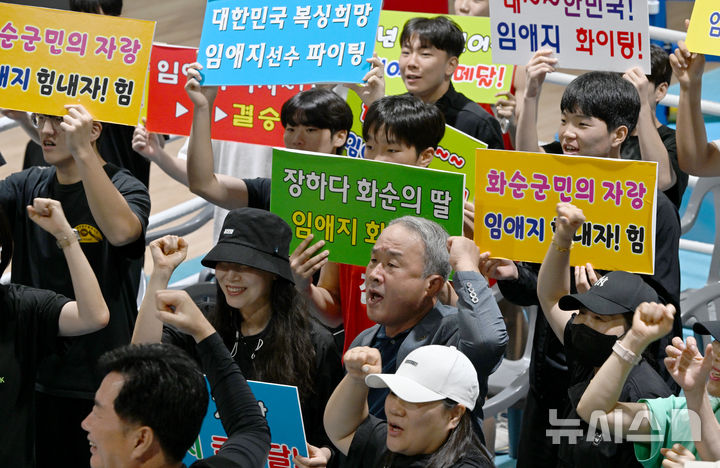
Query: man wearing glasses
x,y
108,209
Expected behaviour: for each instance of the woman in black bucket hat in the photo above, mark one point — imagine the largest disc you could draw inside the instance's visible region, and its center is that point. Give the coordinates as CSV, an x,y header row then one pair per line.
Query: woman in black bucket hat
x,y
258,313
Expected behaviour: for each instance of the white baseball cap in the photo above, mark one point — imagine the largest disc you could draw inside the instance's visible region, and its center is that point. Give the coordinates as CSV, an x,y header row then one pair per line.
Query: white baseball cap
x,y
432,373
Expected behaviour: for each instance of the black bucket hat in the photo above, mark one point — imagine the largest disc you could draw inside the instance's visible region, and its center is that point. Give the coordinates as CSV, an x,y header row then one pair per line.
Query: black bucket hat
x,y
711,328
256,238
618,292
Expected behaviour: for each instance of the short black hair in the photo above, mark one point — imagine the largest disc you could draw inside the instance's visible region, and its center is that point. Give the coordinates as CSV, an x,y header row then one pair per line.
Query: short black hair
x,y
105,7
317,107
603,95
405,119
439,32
163,389
660,69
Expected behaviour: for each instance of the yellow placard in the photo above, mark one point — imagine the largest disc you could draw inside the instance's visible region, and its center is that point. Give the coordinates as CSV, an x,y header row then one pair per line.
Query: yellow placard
x,y
516,194
50,58
703,34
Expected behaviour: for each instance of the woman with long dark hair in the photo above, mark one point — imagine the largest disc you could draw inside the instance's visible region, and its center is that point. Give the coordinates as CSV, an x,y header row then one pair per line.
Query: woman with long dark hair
x,y
258,313
429,423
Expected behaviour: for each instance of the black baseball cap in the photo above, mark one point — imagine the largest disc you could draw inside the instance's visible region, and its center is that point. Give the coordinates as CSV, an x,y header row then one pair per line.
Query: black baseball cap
x,y
711,327
618,292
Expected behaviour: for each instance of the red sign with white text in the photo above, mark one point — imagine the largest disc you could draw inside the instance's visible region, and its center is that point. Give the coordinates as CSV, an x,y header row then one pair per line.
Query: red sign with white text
x,y
250,114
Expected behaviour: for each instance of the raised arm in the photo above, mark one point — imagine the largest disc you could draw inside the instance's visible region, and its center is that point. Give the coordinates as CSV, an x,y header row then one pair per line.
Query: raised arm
x,y
23,119
167,252
115,219
651,321
147,144
482,332
695,154
652,147
541,63
88,312
691,370
226,192
347,407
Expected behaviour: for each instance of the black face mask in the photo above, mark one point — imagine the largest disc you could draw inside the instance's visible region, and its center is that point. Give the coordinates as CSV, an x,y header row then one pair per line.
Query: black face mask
x,y
588,346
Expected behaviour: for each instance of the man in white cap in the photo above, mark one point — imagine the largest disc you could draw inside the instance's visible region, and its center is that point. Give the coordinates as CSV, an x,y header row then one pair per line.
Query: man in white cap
x,y
428,410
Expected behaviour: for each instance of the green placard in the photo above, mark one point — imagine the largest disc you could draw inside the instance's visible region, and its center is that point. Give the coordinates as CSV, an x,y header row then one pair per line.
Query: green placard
x,y
476,76
455,153
349,201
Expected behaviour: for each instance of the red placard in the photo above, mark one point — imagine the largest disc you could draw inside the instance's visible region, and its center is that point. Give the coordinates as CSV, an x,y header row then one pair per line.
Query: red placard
x,y
250,114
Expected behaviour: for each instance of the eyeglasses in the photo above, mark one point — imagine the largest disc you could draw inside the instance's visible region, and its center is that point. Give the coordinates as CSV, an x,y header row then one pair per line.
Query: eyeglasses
x,y
38,120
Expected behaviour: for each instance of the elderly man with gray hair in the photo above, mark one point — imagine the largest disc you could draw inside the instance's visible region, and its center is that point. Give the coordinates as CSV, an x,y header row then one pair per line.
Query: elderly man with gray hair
x,y
409,265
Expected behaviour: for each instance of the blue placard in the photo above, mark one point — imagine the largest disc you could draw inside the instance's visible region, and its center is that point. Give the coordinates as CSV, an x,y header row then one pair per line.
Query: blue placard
x,y
281,406
247,42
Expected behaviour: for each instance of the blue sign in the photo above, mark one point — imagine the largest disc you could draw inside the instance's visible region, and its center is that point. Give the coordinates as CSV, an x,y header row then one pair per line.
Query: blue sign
x,y
281,406
298,42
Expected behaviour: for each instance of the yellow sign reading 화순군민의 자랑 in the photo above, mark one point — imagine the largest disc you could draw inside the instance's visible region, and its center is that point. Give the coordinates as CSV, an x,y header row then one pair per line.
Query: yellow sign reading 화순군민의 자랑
x,y
516,194
51,58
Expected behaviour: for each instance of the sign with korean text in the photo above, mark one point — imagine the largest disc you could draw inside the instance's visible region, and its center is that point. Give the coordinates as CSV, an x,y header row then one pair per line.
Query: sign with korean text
x,y
477,76
516,196
590,35
296,42
280,405
454,153
53,57
348,202
250,114
703,34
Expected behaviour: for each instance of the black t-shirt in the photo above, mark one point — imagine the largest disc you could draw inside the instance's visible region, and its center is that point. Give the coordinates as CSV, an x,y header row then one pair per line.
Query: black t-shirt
x,y
368,449
38,262
642,382
115,147
28,332
630,149
328,371
468,117
258,192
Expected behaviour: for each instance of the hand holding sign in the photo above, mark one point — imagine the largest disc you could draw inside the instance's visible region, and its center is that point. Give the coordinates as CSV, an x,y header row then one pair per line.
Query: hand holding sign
x,y
80,131
374,87
201,96
541,63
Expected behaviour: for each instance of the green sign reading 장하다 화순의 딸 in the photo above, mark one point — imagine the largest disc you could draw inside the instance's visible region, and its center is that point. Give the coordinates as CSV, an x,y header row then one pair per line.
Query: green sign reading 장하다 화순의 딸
x,y
347,202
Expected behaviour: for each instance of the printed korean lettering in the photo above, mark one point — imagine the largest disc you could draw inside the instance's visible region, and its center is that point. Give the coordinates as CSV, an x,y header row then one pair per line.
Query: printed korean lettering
x,y
514,226
355,146
617,7
373,230
211,51
389,195
536,228
295,189
573,435
569,4
563,186
507,39
95,87
348,227
278,15
636,191
362,12
714,20
387,36
269,117
342,14
339,184
274,56
124,90
220,18
529,31
245,117
257,53
540,187
165,75
69,88
636,236
356,50
326,223
585,189
496,182
239,18
513,4
217,442
493,221
594,8
46,79
302,15
614,191
8,36
234,53
302,228
77,43
608,234
413,196
585,235
55,39
107,46
291,56
441,203
31,36
21,77
547,40
315,182
518,184
258,17
280,456
368,191
322,13
129,48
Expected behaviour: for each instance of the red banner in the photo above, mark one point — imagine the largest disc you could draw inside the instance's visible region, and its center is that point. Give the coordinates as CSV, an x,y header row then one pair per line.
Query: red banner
x,y
250,114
